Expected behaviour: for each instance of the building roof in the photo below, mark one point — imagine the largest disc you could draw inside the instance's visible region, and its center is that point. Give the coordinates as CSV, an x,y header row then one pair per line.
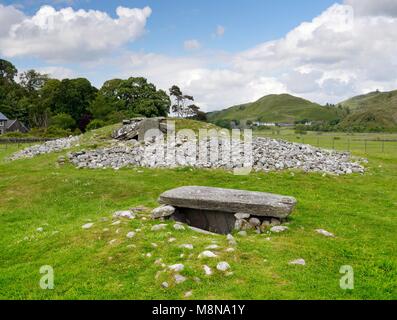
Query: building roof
x,y
3,117
9,123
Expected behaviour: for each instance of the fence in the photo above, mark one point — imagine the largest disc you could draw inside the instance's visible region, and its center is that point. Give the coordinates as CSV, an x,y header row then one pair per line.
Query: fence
x,y
4,142
364,145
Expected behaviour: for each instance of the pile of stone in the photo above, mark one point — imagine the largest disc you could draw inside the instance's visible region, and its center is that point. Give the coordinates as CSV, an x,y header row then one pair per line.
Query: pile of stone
x,y
47,147
268,155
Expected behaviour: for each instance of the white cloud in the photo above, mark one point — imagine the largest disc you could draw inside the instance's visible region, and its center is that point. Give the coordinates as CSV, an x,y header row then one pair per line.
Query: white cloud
x,y
192,45
374,7
58,72
9,15
68,34
328,59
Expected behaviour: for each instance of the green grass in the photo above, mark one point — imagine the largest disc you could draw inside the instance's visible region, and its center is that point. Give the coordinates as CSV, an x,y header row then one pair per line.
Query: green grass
x,y
275,108
360,210
372,111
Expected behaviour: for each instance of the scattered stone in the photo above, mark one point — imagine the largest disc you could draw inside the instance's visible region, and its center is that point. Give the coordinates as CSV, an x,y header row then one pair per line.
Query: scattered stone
x,y
131,234
231,240
179,227
207,254
242,233
148,255
188,294
207,270
87,225
187,246
230,250
275,222
165,284
40,229
255,222
300,262
179,278
124,214
163,212
158,227
176,267
278,229
116,223
241,216
325,233
223,266
171,240
111,242
212,247
47,147
154,245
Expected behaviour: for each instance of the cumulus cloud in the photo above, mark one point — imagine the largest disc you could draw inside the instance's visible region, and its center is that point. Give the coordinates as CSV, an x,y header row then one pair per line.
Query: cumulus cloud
x,y
374,7
68,34
192,45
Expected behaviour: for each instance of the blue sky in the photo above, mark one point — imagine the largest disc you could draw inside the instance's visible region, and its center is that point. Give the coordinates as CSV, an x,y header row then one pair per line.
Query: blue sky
x,y
246,23
223,52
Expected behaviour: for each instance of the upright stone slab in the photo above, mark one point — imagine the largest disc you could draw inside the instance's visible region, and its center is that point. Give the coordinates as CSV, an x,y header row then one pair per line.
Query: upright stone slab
x,y
213,209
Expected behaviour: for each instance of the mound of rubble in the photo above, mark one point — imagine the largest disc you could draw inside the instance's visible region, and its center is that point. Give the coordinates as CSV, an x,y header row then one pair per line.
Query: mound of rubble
x,y
268,155
47,147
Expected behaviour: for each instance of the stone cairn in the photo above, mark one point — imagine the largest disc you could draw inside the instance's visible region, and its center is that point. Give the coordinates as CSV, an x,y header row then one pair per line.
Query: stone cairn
x,y
130,149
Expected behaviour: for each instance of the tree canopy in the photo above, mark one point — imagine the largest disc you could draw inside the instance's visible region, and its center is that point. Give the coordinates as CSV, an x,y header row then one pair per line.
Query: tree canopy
x,y
71,104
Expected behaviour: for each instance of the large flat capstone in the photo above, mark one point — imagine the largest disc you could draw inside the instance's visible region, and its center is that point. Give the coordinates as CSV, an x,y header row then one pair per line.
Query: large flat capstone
x,y
259,204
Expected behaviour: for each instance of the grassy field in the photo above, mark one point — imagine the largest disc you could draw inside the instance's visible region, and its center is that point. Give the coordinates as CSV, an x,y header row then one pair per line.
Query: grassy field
x,y
35,193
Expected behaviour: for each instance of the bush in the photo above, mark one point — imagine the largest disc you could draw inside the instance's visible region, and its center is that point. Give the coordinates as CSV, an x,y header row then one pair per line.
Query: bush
x,y
63,121
96,124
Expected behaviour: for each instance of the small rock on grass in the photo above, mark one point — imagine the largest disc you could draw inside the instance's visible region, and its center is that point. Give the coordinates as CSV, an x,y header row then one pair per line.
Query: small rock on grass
x,y
300,262
325,233
158,227
188,294
179,278
128,214
223,266
163,211
242,233
207,270
278,229
87,225
40,229
207,254
179,227
176,267
130,235
165,284
187,246
212,247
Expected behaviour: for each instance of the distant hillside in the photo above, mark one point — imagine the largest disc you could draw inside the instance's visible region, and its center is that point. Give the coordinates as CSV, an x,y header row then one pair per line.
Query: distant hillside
x,y
372,111
276,108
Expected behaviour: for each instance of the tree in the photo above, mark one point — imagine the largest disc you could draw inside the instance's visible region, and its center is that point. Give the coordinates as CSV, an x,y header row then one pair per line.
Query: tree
x,y
8,72
32,80
179,107
63,121
134,96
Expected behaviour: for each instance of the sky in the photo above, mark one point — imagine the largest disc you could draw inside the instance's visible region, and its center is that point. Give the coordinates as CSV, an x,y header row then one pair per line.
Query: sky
x,y
222,52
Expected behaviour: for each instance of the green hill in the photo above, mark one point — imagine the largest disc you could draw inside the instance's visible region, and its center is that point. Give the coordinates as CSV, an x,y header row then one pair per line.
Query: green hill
x,y
372,111
275,108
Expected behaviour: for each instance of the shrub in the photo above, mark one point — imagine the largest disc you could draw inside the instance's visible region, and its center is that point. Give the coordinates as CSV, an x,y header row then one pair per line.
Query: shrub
x,y
63,121
95,124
